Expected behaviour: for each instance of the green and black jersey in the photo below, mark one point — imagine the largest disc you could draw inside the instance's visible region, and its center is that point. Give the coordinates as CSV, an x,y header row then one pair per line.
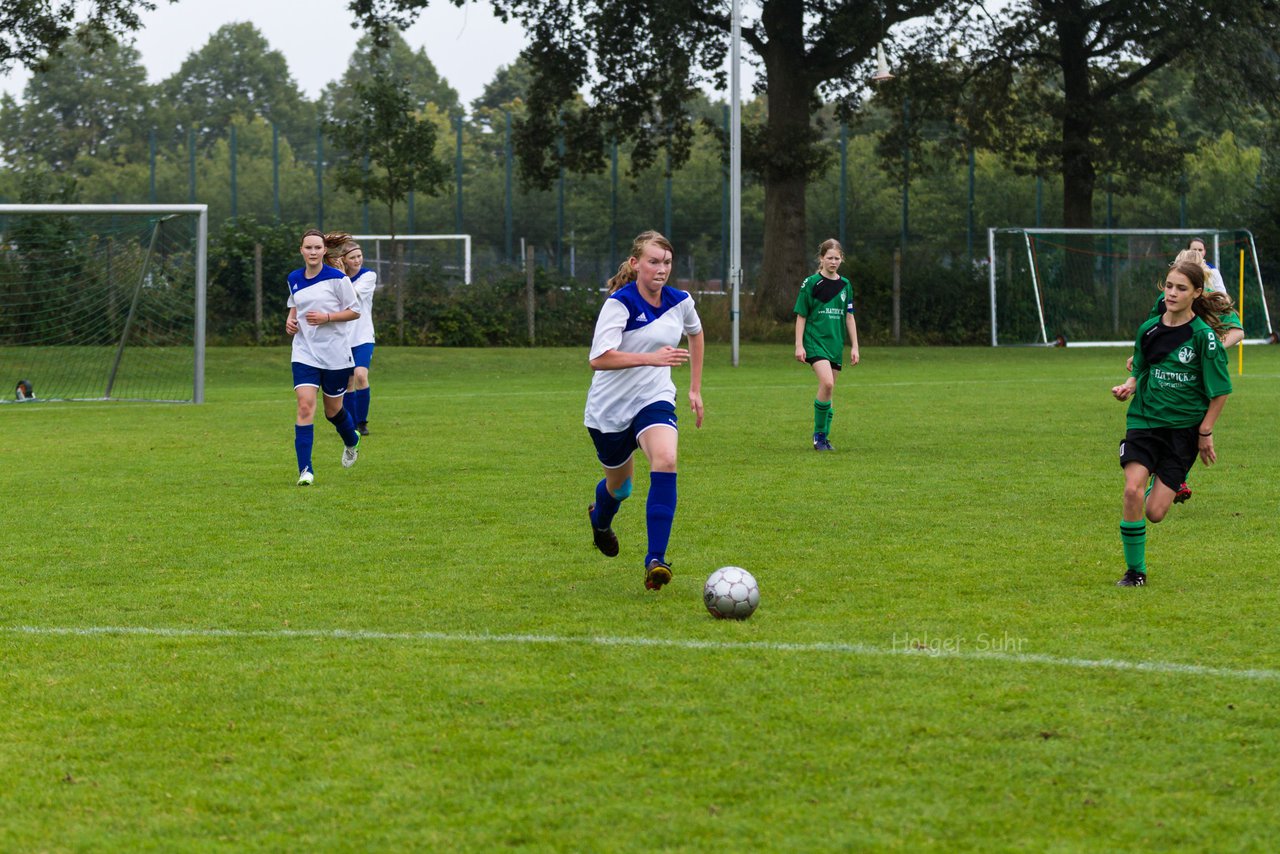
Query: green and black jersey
x,y
823,303
1179,370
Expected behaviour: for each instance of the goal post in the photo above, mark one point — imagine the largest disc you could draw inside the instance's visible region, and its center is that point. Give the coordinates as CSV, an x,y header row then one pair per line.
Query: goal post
x,y
103,302
1094,287
374,253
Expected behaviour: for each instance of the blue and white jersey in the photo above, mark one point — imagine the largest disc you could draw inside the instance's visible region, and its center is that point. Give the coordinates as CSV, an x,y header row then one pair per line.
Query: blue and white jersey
x,y
629,324
327,345
361,329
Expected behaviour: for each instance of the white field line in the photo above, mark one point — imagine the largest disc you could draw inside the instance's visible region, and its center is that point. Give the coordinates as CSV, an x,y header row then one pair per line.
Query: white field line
x,y
834,648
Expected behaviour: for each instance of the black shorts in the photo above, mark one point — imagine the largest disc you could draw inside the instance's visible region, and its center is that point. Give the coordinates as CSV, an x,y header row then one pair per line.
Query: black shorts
x,y
1169,452
835,366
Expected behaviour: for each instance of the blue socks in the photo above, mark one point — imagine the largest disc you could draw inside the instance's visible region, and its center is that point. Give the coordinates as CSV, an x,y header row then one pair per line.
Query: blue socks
x,y
303,438
660,512
360,408
345,426
606,507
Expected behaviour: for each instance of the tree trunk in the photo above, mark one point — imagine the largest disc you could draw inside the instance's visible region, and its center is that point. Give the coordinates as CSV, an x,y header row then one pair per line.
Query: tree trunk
x,y
786,161
1078,174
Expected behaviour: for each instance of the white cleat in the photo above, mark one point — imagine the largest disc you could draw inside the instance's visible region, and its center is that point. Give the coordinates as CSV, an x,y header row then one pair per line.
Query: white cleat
x,y
349,454
305,477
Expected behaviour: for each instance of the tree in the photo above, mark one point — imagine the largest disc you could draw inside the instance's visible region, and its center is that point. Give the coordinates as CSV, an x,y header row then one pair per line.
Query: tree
x,y
643,61
236,73
1065,85
82,103
413,69
387,149
36,30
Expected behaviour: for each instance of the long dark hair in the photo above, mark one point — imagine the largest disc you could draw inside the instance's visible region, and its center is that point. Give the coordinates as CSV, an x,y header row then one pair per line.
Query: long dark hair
x,y
1210,305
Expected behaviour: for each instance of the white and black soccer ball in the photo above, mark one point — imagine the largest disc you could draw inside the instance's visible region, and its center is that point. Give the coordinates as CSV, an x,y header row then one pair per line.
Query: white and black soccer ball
x,y
731,593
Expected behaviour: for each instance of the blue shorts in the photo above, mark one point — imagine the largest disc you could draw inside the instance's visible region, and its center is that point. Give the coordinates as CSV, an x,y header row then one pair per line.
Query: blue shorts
x,y
363,354
332,382
614,449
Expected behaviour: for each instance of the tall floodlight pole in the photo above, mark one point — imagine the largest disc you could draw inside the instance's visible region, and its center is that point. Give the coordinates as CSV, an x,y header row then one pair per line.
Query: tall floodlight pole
x,y
735,171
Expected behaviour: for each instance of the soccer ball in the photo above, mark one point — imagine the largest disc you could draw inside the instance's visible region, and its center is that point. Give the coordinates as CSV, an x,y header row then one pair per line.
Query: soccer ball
x,y
731,593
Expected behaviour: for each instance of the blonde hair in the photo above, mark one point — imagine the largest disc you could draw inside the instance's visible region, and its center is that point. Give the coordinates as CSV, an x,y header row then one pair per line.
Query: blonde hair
x,y
627,273
827,246
1192,256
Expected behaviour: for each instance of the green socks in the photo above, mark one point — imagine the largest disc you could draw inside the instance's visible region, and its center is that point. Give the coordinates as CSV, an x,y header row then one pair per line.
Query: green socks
x,y
822,417
1133,536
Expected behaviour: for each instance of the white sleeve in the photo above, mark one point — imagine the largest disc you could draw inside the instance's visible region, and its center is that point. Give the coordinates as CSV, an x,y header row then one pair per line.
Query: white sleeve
x,y
609,327
692,323
366,283
347,296
1215,281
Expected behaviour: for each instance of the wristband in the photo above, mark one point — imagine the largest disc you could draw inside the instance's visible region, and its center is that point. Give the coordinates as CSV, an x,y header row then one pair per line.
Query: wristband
x,y
328,318
1210,433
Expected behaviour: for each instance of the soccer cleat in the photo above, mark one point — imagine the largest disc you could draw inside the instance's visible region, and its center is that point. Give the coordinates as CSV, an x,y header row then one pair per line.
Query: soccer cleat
x,y
656,574
1132,578
305,477
349,453
1183,493
363,428
820,442
606,541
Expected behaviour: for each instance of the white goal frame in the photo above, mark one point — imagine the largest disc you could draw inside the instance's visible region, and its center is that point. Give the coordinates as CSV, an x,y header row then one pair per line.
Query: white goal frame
x,y
1214,252
201,265
377,240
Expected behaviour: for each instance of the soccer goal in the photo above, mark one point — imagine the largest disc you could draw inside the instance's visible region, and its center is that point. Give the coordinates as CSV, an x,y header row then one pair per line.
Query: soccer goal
x,y
1094,287
103,302
380,249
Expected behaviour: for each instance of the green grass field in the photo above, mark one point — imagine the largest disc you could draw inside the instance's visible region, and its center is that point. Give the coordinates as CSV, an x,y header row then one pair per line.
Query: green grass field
x,y
424,652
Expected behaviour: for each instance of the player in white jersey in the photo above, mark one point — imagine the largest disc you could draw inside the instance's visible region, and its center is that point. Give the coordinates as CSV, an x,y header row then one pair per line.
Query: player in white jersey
x,y
321,302
632,399
347,256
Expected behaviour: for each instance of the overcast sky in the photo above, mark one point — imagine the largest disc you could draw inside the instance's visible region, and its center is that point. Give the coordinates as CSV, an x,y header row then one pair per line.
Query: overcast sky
x,y
466,45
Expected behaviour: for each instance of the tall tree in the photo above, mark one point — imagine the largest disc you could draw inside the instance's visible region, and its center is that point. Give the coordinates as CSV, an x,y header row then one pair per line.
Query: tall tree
x,y
1065,86
36,30
387,149
413,69
643,60
83,103
236,73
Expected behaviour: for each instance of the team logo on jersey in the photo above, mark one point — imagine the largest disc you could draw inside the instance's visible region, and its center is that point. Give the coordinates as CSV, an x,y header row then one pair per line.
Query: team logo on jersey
x,y
1186,354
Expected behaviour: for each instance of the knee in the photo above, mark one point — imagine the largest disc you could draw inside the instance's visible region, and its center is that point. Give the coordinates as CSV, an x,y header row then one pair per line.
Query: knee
x,y
1134,493
1156,514
663,462
825,390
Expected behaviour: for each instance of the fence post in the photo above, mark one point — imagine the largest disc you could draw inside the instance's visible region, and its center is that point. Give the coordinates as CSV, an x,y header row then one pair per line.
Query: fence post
x,y
507,201
234,195
151,146
257,290
897,295
275,171
528,290
397,259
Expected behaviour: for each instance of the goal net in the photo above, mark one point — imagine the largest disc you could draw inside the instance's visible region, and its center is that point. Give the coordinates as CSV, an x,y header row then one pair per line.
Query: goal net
x,y
383,253
102,302
1094,287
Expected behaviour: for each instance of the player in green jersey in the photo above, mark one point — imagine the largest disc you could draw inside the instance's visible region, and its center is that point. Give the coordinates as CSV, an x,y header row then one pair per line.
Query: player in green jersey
x,y
1178,387
1232,331
824,310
